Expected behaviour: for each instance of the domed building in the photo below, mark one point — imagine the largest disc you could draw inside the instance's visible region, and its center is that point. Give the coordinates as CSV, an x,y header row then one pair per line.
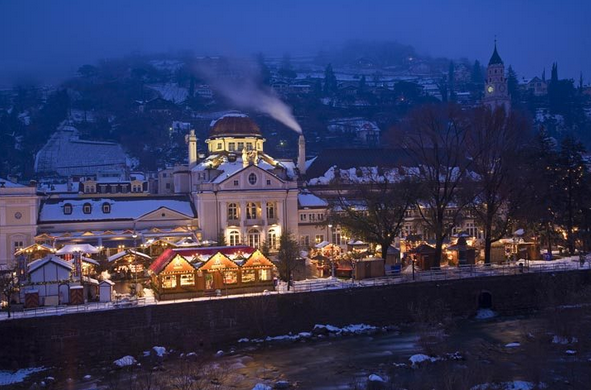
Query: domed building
x,y
241,193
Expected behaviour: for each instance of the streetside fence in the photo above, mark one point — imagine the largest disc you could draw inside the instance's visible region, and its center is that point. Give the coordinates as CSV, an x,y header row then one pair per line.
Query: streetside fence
x,y
311,285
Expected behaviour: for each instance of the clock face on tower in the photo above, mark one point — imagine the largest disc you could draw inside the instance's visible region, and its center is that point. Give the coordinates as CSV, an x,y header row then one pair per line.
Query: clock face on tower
x,y
490,89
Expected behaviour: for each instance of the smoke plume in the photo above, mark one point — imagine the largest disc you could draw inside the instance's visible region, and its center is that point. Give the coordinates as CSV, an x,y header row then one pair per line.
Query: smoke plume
x,y
247,93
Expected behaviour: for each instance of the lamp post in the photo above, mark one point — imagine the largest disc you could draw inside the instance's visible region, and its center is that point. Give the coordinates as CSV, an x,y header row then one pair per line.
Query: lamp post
x,y
332,268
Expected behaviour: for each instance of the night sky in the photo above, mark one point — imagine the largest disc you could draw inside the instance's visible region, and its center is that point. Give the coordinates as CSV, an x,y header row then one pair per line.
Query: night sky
x,y
50,39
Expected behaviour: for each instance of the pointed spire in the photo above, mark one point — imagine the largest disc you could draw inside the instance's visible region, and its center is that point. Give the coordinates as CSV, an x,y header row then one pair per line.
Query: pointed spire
x,y
495,58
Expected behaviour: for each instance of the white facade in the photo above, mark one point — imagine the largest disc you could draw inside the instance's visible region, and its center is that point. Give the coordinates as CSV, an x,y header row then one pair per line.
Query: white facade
x,y
240,193
18,219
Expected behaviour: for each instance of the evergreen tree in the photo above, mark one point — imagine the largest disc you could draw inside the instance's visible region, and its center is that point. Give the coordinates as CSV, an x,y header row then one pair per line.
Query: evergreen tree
x,y
573,182
544,75
554,76
263,69
286,70
362,85
512,84
581,82
192,87
330,81
287,257
221,239
476,76
451,81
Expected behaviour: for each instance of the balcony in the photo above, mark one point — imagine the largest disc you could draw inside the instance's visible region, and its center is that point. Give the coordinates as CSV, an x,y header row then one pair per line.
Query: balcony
x,y
252,222
233,222
272,221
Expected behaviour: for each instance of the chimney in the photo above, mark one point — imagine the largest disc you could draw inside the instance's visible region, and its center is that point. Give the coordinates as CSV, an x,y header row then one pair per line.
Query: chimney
x,y
302,155
191,139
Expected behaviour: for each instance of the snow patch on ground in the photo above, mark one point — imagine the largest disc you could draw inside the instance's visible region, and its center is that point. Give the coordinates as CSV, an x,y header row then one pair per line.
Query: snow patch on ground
x,y
125,361
376,378
159,351
319,331
483,314
514,385
419,358
512,345
260,386
10,377
564,340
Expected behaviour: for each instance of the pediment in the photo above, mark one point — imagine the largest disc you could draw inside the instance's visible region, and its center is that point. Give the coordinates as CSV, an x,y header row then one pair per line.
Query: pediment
x,y
243,175
163,214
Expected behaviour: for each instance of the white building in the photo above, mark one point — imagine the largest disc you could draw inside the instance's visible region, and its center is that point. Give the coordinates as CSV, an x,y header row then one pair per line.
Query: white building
x,y
18,219
239,191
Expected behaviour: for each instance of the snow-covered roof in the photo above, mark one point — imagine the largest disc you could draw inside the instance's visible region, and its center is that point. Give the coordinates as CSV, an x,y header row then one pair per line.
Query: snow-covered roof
x,y
171,92
34,265
119,255
66,154
73,248
307,199
4,183
234,114
229,168
88,260
52,210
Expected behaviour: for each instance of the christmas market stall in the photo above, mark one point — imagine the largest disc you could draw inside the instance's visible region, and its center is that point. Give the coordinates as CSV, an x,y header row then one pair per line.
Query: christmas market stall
x,y
192,272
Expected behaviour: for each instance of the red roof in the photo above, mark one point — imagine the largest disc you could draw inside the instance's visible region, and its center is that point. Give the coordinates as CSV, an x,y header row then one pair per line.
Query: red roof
x,y
166,257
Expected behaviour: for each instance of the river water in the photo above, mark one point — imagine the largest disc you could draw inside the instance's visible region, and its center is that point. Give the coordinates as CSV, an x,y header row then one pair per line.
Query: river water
x,y
507,352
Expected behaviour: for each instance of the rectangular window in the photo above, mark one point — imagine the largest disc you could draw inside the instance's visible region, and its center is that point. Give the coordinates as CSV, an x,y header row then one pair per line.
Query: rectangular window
x,y
321,217
249,146
230,277
187,280
305,240
303,217
235,183
240,146
169,281
319,238
248,276
268,182
265,274
168,186
232,146
219,146
312,217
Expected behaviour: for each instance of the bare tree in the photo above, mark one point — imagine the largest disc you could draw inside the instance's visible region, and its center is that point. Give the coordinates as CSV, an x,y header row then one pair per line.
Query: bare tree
x,y
493,146
435,140
374,209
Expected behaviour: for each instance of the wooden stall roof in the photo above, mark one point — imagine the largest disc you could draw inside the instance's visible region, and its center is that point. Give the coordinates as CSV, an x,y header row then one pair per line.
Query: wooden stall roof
x,y
257,259
218,261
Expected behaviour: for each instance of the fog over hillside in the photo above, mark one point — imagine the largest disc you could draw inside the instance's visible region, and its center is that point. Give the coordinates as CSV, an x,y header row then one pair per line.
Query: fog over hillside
x,y
47,41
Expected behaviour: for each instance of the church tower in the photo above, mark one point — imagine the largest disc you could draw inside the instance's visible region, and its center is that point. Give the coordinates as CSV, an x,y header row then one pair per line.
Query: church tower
x,y
496,93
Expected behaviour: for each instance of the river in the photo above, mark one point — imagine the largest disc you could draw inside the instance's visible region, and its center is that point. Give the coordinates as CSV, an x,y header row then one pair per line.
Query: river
x,y
506,352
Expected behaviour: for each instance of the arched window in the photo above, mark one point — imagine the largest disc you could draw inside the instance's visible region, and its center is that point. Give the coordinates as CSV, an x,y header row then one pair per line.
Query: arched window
x,y
106,208
251,210
270,210
252,179
67,209
254,238
232,211
87,208
272,239
234,238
